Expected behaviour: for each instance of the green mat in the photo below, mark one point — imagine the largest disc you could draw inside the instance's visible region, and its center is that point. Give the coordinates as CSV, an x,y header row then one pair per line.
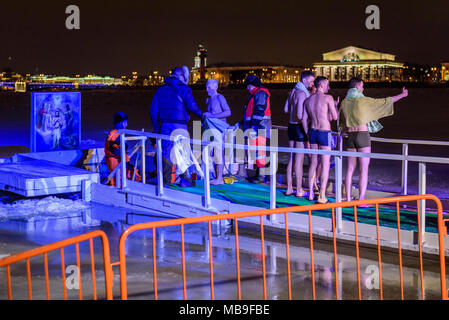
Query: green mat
x,y
258,195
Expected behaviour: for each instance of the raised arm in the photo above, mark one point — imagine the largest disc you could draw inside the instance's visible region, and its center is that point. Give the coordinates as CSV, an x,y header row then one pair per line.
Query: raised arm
x,y
400,96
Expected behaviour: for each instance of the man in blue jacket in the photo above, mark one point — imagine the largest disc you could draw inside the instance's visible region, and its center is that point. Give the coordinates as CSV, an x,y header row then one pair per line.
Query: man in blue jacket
x,y
170,110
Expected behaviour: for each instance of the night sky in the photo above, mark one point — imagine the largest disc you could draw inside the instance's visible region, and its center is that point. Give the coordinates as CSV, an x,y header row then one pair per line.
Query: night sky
x,y
120,37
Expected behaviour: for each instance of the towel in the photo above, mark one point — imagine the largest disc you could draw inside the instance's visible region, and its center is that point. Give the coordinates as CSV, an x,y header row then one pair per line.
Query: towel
x,y
360,110
302,87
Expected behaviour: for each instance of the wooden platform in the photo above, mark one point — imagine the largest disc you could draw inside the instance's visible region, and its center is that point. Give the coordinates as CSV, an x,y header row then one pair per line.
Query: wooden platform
x,y
42,177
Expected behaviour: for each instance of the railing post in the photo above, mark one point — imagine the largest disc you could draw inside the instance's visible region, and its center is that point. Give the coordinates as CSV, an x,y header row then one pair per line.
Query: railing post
x,y
123,159
160,169
338,192
144,178
206,177
422,203
273,169
230,150
404,169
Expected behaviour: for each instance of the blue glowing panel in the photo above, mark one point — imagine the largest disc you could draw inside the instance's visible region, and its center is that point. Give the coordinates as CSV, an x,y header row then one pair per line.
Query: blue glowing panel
x,y
55,121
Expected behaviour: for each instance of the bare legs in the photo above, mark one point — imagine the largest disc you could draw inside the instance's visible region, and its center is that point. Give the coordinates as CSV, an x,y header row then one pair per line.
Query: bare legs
x,y
219,179
325,165
312,170
363,168
298,164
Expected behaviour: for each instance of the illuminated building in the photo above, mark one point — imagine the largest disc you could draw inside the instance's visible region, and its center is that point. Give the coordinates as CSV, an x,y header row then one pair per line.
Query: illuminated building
x,y
89,79
343,64
445,71
154,79
236,73
200,61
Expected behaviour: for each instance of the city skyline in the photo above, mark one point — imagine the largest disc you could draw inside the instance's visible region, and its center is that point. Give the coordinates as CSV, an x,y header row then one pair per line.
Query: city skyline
x,y
140,36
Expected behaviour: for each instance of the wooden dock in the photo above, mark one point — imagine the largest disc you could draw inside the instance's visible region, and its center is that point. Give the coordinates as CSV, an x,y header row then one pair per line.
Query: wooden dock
x,y
41,177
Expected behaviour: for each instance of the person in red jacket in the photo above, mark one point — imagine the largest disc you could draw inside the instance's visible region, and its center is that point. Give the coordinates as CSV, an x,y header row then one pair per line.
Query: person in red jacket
x,y
257,117
112,151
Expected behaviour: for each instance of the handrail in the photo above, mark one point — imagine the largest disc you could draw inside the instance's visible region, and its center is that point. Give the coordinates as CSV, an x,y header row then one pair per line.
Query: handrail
x,y
442,232
391,140
381,156
338,155
410,141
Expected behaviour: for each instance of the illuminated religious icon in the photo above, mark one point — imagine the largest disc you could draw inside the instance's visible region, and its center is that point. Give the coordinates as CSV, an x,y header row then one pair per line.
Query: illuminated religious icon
x,y
55,121
351,56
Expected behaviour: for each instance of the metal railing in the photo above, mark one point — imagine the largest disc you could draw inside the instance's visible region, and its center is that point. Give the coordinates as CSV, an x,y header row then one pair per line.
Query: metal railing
x,y
274,151
403,142
236,217
45,250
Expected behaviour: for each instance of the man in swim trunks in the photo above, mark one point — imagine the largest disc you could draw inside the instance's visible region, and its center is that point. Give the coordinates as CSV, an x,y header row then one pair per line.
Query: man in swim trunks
x,y
358,136
217,107
296,134
321,109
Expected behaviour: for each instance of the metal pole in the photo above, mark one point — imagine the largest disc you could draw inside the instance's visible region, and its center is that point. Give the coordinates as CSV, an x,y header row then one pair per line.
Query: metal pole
x,y
404,169
273,169
422,203
123,159
206,177
117,178
160,169
230,151
338,192
144,178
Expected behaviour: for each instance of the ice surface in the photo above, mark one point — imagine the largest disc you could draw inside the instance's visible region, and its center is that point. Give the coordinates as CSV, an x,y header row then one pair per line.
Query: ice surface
x,y
49,206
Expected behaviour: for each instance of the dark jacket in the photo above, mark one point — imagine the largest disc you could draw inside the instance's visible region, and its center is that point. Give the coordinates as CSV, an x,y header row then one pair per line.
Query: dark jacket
x,y
173,102
257,114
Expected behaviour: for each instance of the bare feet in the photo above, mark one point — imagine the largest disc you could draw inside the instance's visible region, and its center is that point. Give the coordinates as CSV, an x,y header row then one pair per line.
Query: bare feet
x,y
311,196
322,200
289,192
217,182
300,193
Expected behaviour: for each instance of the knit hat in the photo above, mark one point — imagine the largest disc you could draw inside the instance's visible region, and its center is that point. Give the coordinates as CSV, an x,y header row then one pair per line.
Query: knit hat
x,y
253,80
119,117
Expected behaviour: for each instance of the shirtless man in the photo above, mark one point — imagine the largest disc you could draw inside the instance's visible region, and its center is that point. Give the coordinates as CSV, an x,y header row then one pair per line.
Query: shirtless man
x,y
296,135
321,109
359,141
217,107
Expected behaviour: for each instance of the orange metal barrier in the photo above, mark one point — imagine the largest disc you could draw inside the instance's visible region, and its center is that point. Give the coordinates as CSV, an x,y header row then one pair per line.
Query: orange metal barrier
x,y
309,208
44,250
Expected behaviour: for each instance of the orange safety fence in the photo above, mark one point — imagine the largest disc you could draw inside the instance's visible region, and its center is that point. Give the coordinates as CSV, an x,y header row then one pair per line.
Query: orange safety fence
x,y
442,232
44,250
